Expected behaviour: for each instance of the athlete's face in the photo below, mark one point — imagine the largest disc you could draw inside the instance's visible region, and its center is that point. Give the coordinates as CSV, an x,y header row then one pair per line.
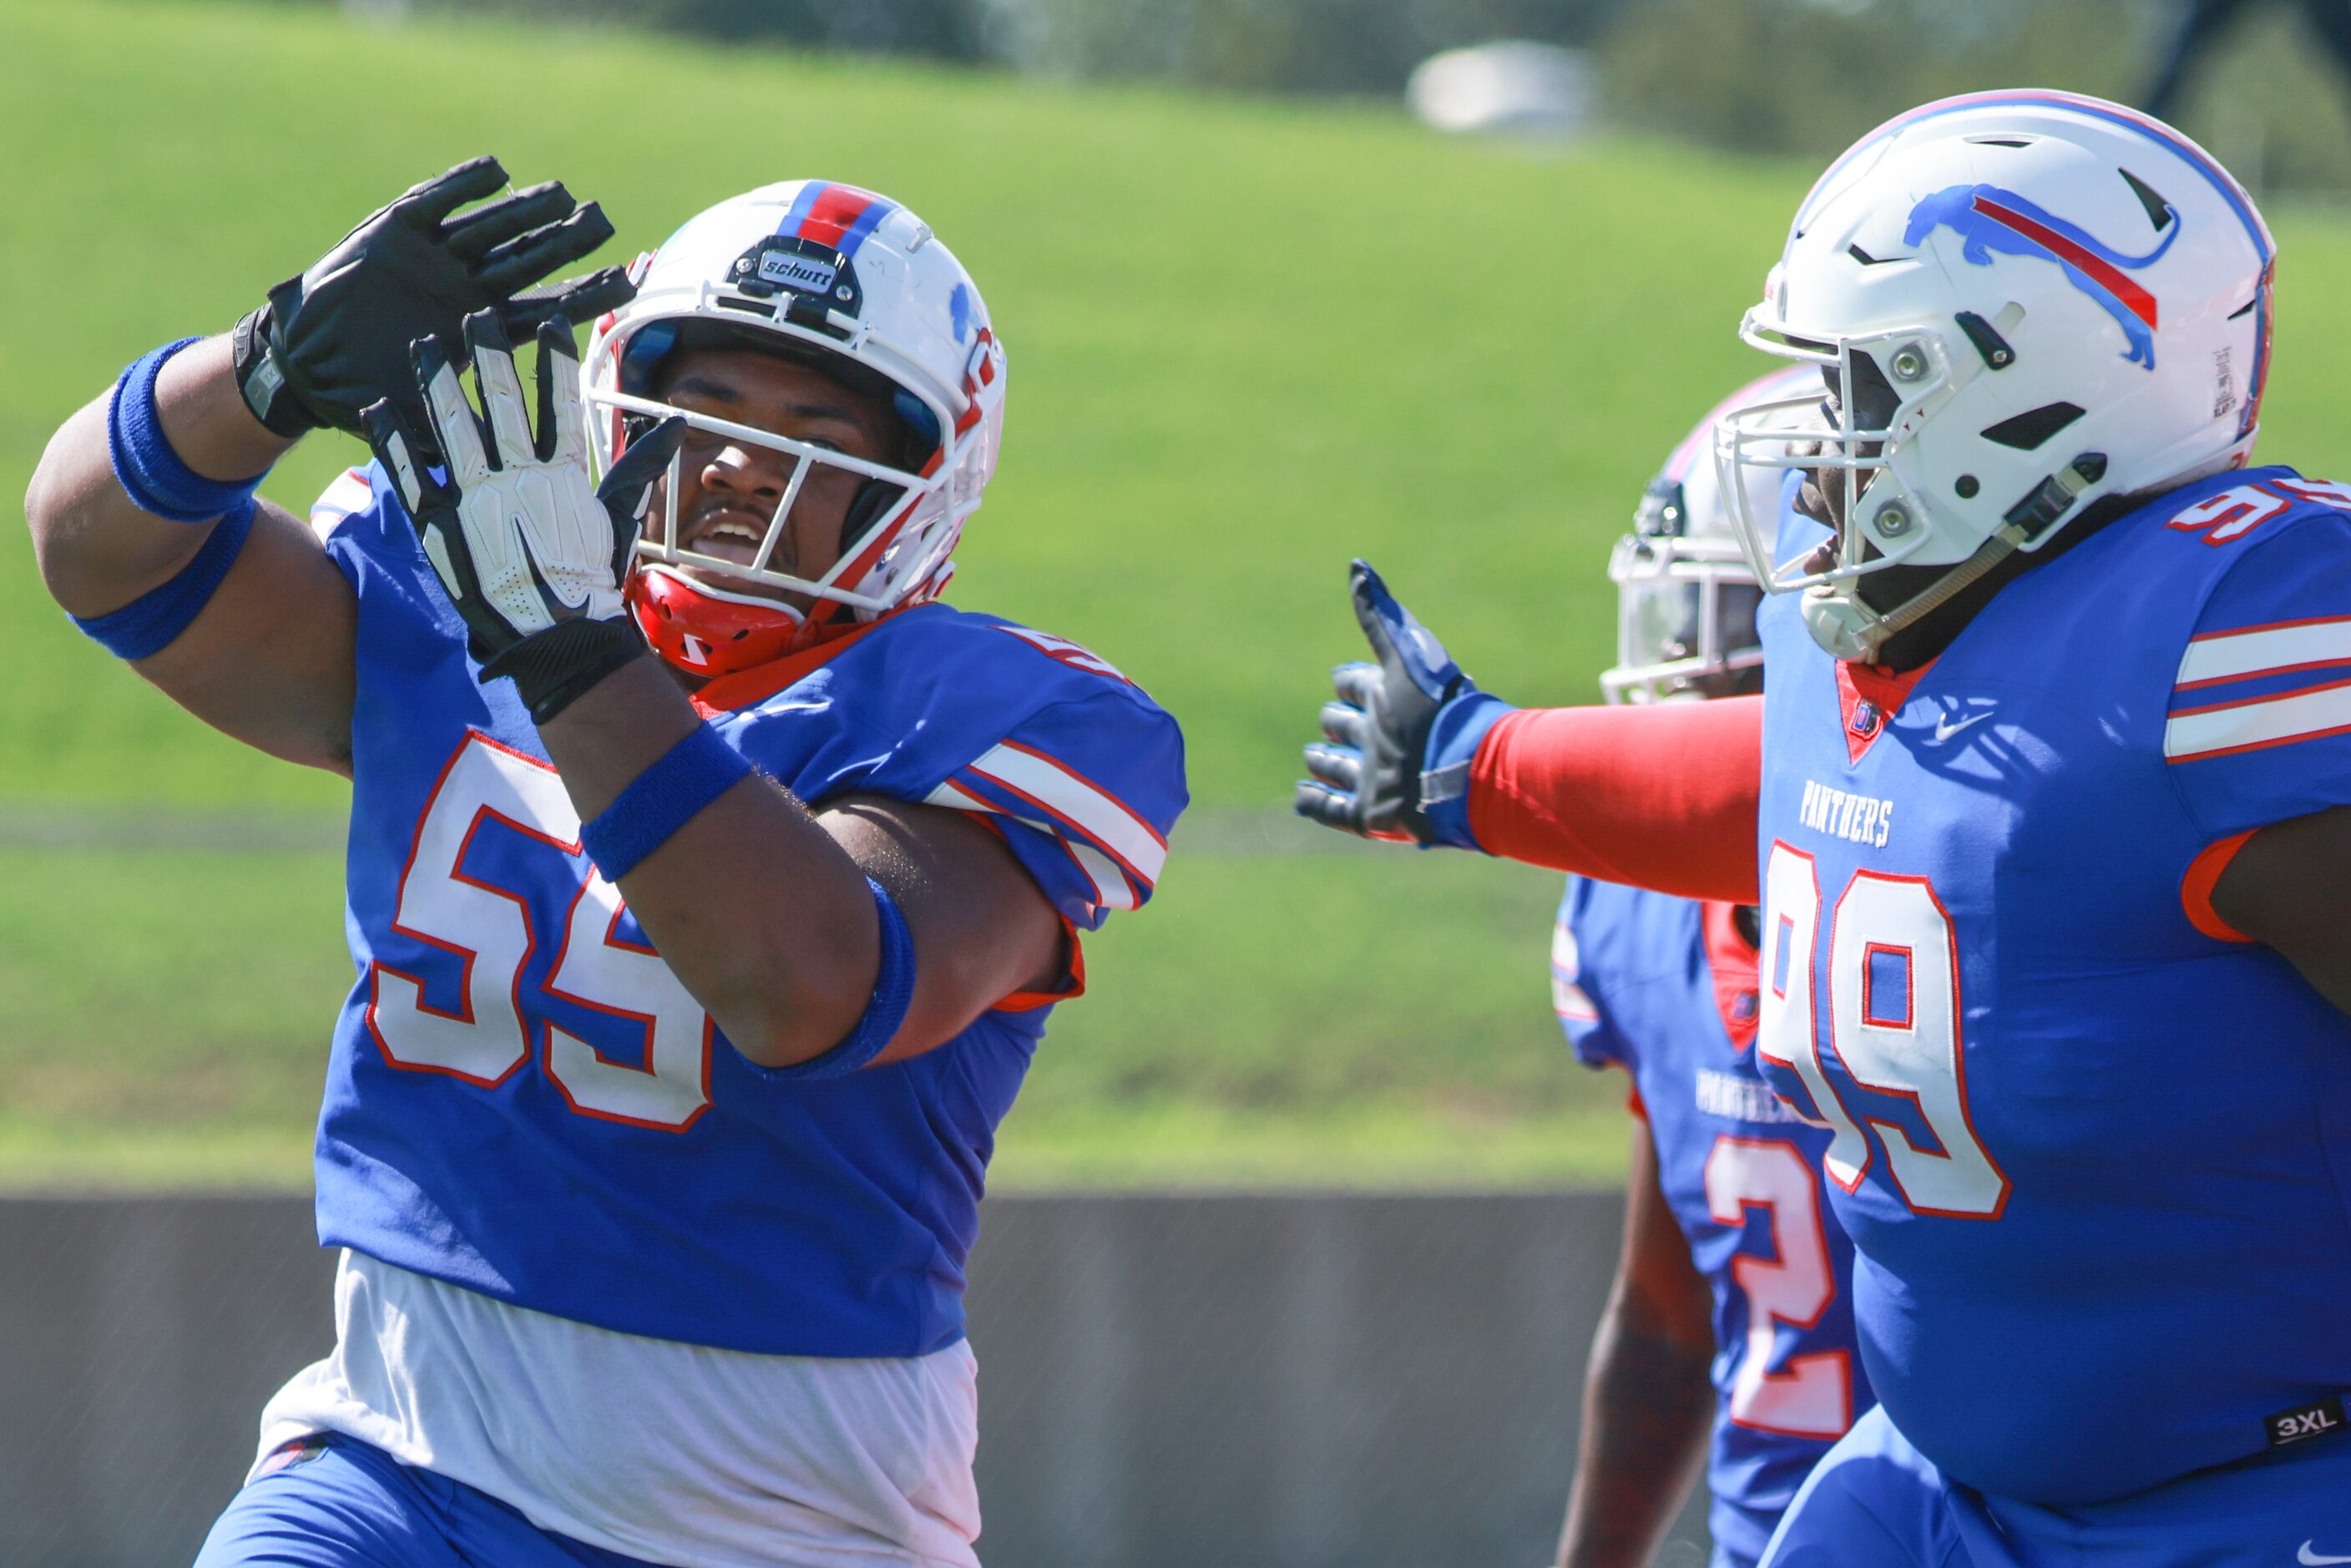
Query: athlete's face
x,y
1868,405
728,489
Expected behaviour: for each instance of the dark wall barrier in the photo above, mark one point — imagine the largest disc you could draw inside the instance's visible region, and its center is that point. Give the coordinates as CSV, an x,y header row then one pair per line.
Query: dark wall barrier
x,y
1241,1382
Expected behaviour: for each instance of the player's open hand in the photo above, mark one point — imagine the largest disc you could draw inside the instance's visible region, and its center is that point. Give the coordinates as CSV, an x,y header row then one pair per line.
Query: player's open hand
x,y
531,551
1364,775
335,338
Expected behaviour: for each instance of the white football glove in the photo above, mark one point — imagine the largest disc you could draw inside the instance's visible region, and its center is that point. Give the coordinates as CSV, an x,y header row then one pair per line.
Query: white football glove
x,y
532,554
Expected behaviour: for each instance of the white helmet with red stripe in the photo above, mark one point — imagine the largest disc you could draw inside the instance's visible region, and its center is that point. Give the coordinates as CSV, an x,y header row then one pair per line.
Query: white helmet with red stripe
x,y
816,269
2028,301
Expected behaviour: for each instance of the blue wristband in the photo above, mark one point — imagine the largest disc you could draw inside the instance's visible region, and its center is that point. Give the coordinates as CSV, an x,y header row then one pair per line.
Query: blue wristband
x,y
1453,741
149,471
662,800
148,623
894,991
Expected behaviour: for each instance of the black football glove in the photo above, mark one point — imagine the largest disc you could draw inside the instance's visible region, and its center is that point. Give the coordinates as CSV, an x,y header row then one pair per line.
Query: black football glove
x,y
1366,772
532,554
334,340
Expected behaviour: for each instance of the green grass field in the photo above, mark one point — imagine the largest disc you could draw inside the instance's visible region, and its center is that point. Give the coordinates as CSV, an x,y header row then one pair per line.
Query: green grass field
x,y
1247,341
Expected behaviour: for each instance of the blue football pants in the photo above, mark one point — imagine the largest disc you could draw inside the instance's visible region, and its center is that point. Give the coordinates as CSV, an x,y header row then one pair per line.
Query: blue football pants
x,y
1874,1502
334,1502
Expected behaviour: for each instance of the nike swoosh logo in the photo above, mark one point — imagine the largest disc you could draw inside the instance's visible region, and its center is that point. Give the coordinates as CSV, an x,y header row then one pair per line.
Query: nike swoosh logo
x,y
1944,731
2310,1559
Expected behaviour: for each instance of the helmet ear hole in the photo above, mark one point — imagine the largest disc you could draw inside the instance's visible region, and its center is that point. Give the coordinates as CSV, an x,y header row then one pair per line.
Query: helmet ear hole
x,y
2027,431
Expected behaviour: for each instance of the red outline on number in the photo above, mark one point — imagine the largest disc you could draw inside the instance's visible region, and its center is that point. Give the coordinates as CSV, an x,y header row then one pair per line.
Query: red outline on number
x,y
1779,1260
1909,1024
547,1033
2333,494
1958,1061
1812,1027
377,969
2233,522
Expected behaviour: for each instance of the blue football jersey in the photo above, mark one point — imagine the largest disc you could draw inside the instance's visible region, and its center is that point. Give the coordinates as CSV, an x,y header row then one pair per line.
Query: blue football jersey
x,y
1666,989
523,1100
2088,1147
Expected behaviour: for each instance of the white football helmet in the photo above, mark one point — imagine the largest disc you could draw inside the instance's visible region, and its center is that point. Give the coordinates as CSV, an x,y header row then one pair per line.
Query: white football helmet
x,y
809,269
2061,298
1686,596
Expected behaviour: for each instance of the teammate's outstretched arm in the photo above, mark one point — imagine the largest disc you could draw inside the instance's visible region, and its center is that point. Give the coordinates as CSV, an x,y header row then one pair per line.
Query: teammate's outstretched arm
x,y
761,908
1647,1402
142,510
1413,751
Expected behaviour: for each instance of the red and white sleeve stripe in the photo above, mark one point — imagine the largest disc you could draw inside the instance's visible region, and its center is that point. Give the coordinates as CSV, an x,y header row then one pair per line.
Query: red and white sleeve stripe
x,y
2274,717
348,493
1119,852
1568,999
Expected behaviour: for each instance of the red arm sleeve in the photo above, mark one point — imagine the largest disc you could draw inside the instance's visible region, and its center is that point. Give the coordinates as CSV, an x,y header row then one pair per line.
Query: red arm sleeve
x,y
1662,797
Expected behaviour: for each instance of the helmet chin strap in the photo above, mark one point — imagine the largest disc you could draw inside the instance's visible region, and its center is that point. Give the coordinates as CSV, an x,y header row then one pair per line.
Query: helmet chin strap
x,y
1853,631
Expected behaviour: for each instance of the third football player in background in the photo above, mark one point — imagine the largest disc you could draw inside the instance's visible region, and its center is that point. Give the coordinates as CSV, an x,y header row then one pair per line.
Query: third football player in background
x,y
1731,1325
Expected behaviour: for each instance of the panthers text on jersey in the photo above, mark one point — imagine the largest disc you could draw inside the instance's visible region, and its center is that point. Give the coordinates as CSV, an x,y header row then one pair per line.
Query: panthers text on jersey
x,y
1666,989
2085,1141
523,1100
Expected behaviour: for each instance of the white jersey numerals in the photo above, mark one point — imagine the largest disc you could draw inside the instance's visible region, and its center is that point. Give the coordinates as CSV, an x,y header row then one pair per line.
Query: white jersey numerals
x,y
1783,1030
1894,1024
655,1022
2231,514
1811,1395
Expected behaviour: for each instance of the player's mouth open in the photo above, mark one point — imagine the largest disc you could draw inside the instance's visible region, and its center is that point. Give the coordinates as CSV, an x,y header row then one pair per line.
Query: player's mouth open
x,y
731,534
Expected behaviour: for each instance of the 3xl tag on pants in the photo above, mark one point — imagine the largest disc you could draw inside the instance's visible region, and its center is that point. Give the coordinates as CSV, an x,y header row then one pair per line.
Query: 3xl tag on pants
x,y
2320,1419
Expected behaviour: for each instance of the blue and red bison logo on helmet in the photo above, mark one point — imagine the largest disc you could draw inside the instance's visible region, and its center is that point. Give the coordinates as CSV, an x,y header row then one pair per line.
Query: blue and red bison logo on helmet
x,y
1988,219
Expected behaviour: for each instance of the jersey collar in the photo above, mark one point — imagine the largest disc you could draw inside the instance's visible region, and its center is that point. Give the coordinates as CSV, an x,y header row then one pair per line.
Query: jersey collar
x,y
1867,700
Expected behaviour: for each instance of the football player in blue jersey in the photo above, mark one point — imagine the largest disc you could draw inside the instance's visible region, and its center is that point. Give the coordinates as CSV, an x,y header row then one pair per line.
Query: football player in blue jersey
x,y
710,881
2046,809
1732,1308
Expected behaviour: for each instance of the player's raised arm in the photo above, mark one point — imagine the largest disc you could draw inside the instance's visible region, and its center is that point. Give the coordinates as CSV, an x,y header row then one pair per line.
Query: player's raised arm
x,y
143,510
1413,751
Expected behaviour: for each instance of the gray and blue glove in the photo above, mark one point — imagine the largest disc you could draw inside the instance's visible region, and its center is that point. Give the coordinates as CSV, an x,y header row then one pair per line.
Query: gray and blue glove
x,y
1399,738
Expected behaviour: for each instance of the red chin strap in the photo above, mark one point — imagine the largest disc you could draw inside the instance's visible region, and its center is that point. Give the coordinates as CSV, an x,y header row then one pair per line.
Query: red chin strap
x,y
705,635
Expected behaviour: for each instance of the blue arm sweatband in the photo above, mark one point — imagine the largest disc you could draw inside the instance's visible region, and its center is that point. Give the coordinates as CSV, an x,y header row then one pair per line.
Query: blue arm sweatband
x,y
1453,741
148,623
662,800
893,992
149,471
671,793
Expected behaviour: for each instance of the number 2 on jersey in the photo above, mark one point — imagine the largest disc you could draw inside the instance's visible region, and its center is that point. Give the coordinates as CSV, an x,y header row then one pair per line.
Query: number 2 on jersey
x,y
487,930
1811,1395
1893,1008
